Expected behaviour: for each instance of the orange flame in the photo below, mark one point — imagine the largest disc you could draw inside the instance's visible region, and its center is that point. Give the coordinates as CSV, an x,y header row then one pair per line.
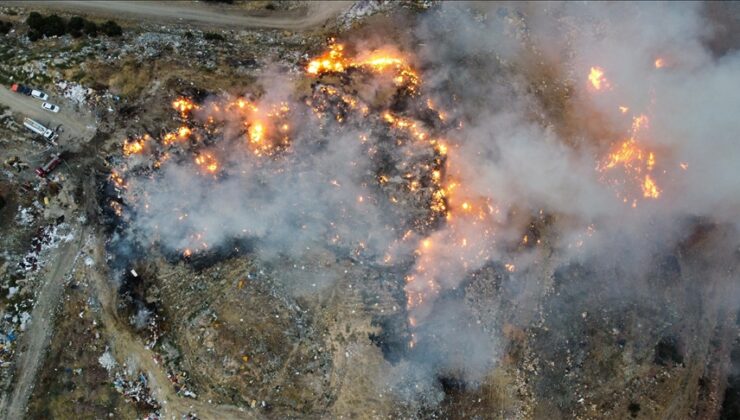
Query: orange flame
x,y
134,146
649,188
184,106
207,162
597,78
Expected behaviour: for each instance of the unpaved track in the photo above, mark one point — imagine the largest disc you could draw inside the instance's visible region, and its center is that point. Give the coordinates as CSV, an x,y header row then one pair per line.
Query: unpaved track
x,y
36,338
72,125
197,13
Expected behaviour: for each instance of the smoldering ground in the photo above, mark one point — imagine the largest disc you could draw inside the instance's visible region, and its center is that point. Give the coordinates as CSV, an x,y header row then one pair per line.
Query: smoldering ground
x,y
528,139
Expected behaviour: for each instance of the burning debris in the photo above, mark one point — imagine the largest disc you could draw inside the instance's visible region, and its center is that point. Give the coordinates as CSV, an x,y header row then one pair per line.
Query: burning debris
x,y
447,169
405,142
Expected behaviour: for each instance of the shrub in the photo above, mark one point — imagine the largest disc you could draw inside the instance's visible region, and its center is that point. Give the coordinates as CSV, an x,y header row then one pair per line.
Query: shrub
x,y
75,25
111,28
33,35
54,26
5,27
212,36
35,21
90,28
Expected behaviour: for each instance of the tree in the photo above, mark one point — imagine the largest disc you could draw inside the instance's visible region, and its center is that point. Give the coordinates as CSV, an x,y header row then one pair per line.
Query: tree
x,y
75,25
35,21
5,27
111,28
54,26
33,35
90,28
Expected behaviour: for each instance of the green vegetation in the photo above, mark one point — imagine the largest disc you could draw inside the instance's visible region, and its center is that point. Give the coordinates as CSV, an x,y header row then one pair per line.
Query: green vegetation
x,y
111,28
212,36
53,25
5,27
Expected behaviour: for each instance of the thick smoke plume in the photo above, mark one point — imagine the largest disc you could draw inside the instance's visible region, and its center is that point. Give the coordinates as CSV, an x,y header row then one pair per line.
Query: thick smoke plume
x,y
524,136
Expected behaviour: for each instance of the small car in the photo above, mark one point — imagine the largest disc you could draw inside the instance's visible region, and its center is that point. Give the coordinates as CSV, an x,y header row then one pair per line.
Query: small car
x,y
50,107
39,95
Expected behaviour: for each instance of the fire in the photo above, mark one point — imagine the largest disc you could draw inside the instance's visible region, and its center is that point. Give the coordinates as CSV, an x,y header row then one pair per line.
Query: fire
x,y
597,78
117,180
134,146
635,160
626,154
207,162
169,138
183,106
659,63
256,132
334,61
267,128
116,207
441,148
649,189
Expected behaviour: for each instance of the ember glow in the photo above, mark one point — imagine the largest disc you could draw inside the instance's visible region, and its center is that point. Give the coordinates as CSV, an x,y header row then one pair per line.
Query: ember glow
x,y
183,106
636,162
379,61
207,162
134,146
597,79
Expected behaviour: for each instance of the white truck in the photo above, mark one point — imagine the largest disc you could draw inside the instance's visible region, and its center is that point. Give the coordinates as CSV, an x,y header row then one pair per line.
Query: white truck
x,y
37,128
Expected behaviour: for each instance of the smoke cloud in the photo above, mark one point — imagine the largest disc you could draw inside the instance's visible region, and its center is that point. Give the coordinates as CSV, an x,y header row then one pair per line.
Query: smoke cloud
x,y
529,141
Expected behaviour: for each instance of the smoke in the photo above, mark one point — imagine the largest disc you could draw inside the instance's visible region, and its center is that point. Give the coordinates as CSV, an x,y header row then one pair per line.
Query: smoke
x,y
535,133
526,181
312,194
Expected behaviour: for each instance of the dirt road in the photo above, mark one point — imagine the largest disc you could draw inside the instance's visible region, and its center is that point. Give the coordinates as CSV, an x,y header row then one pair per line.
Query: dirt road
x,y
199,14
68,124
36,338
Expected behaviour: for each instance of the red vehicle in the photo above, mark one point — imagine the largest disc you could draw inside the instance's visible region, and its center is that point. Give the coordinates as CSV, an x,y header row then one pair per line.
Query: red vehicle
x,y
17,87
45,170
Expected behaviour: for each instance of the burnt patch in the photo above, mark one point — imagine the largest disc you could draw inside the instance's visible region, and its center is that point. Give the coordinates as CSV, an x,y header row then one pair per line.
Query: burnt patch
x,y
634,409
393,338
452,384
668,352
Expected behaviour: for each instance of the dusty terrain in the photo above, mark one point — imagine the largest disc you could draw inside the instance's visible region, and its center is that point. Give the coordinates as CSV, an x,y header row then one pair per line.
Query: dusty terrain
x,y
96,325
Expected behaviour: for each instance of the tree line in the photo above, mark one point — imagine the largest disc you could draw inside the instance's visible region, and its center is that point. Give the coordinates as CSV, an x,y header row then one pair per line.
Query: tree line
x,y
54,25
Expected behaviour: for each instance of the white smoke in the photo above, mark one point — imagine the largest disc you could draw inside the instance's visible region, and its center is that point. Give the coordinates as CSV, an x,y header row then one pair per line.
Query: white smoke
x,y
531,136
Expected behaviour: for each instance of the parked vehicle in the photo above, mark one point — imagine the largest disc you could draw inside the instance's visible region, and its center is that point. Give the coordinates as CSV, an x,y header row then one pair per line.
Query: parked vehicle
x,y
38,128
39,95
50,107
17,87
45,170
